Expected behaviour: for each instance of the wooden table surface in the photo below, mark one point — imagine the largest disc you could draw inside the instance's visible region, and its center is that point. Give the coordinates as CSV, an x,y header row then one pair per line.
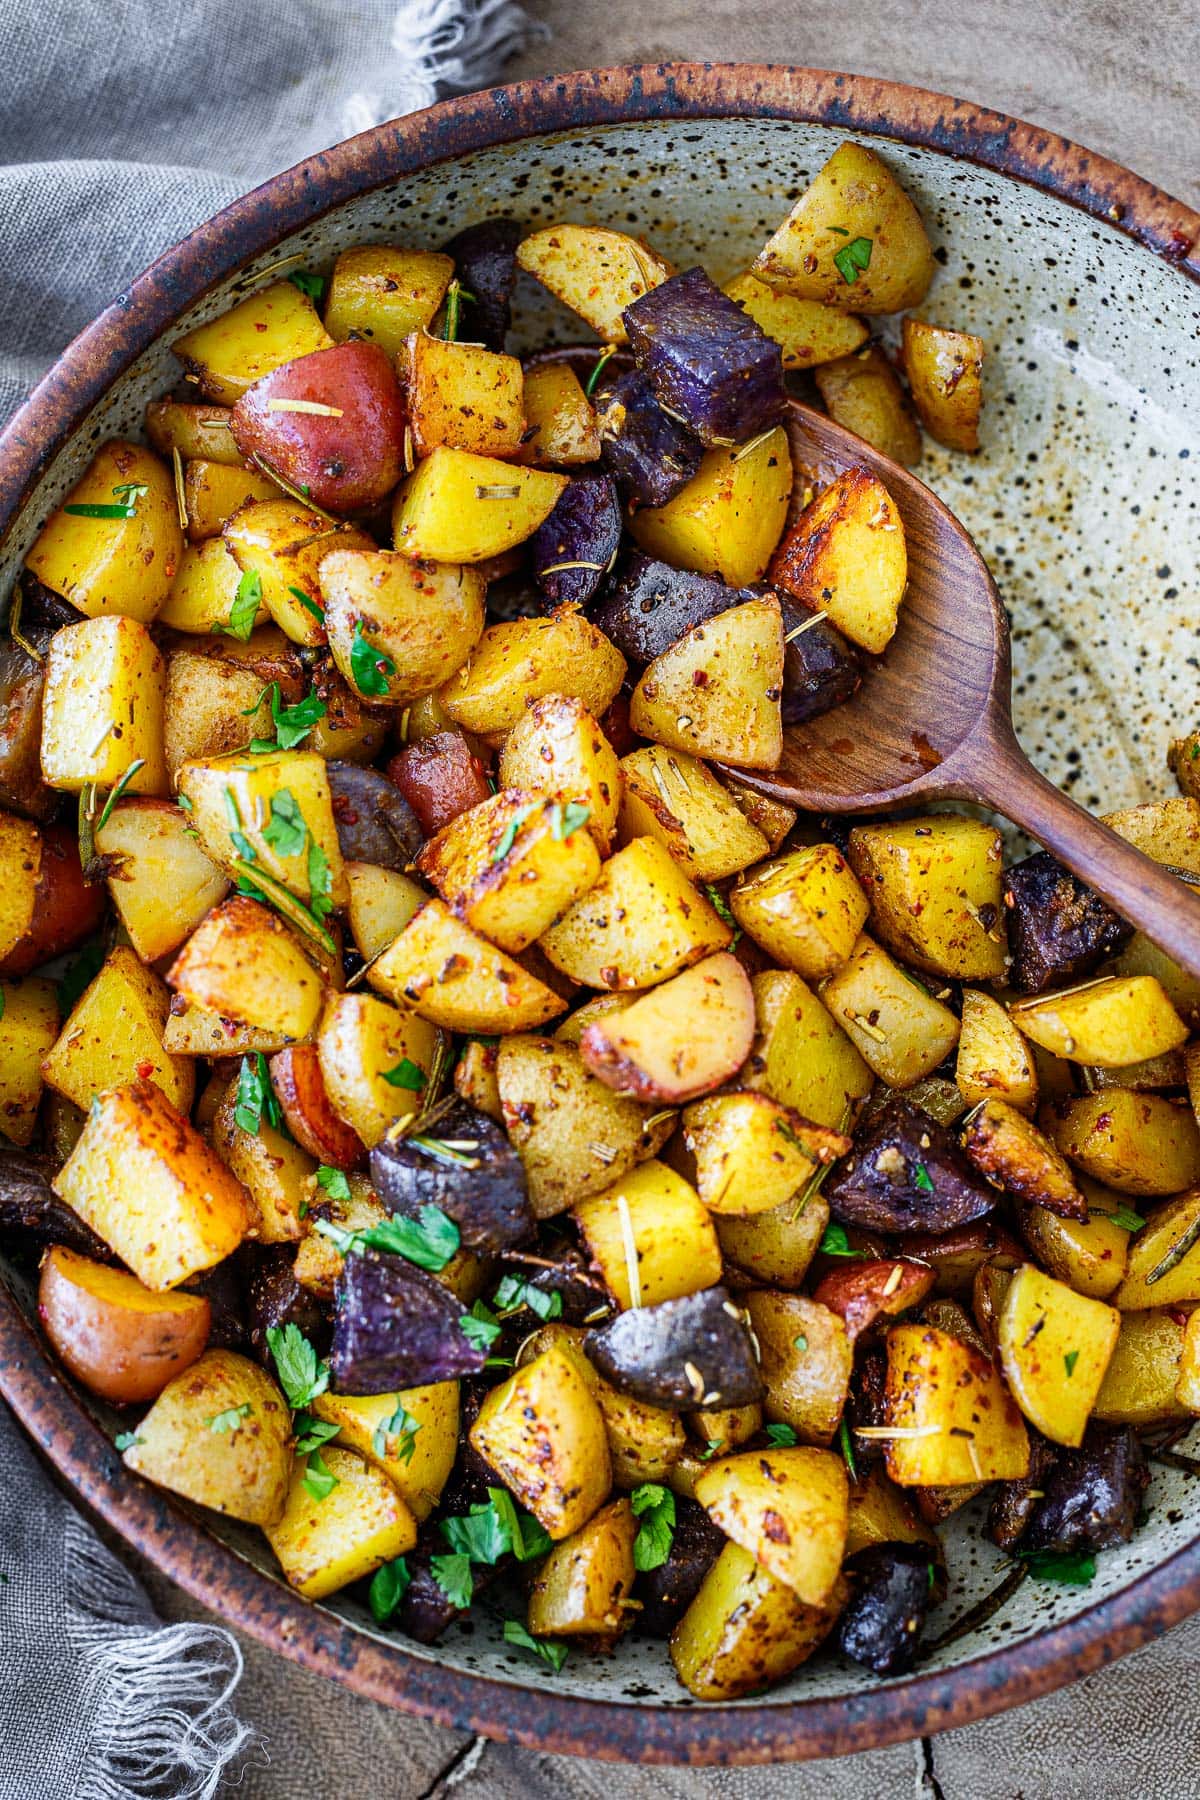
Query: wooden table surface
x,y
1120,77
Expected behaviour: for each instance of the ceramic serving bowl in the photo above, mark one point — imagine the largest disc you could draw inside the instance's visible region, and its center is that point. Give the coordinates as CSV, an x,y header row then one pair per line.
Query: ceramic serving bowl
x,y
1084,282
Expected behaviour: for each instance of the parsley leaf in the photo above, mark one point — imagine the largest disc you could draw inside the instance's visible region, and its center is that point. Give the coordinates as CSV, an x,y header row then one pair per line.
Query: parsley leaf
x,y
293,723
487,1533
125,1440
320,882
306,600
1070,1359
566,820
334,1182
555,1655
285,830
308,283
922,1179
514,1293
255,1096
508,836
244,609
834,1242
301,1376
1072,1568
389,1584
782,1436
430,1241
230,1419
406,1074
720,906
403,1428
319,1479
1126,1218
655,1507
851,258
479,1326
369,666
453,1576
127,495
312,1433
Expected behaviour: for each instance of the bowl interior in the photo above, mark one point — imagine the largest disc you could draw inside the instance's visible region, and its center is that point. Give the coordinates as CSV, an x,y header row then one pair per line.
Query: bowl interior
x,y
1084,501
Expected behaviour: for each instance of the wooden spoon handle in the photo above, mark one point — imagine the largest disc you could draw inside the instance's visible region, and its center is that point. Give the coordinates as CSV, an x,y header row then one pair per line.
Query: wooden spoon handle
x,y
1142,891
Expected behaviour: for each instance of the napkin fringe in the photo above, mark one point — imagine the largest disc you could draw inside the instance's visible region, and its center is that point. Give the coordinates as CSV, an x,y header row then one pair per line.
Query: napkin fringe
x,y
160,1696
442,47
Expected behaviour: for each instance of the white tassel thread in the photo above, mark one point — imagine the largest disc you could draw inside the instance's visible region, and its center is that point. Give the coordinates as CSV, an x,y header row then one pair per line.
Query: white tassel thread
x,y
442,46
160,1695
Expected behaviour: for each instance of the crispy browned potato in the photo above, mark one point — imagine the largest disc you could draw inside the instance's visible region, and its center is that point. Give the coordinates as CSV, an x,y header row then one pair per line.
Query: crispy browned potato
x,y
944,370
683,1038
219,1434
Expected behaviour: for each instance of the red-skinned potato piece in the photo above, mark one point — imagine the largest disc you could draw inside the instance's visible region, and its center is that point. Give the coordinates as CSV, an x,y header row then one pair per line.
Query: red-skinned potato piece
x,y
65,909
862,1292
118,1338
679,1040
954,1256
345,460
300,1088
440,778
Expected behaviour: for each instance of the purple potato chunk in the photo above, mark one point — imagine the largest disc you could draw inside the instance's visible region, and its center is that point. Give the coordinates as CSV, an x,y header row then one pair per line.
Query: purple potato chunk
x,y
1016,1501
1058,928
426,1611
821,668
489,1202
585,1299
275,1298
375,823
906,1173
396,1327
33,1213
1092,1496
685,1354
866,1402
893,1585
648,455
668,1591
651,606
710,364
485,262
584,532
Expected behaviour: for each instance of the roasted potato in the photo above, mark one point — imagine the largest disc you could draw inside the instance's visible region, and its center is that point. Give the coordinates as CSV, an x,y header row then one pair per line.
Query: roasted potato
x,y
650,1237
935,890
602,940
900,1030
993,1057
556,747
1055,1346
517,663
218,1433
673,797
1136,1143
243,963
727,519
752,1153
950,1419
806,1355
583,1585
1111,1022
459,507
801,1056
118,1338
543,1433
806,332
114,1034
861,392
161,881
231,352
944,370
717,691
594,271
384,293
114,544
102,707
788,1508
399,628
844,555
805,908
324,1543
417,1454
476,988
684,1038
744,1629
29,1026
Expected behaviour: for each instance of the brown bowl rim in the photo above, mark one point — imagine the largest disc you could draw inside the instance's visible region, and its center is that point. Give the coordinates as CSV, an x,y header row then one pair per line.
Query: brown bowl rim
x,y
531,1713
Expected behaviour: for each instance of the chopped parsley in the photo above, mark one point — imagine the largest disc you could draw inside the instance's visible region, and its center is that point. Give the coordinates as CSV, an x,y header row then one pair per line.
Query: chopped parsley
x,y
125,1440
551,1653
396,1435
566,820
1126,1218
654,1507
834,1242
285,830
720,906
127,495
334,1182
306,600
389,1584
302,1376
453,1575
1069,1360
514,1292
430,1241
406,1074
1072,1568
311,1433
781,1436
255,1096
852,258
369,665
491,1531
922,1179
313,286
319,1479
230,1419
292,723
508,836
480,1326
244,609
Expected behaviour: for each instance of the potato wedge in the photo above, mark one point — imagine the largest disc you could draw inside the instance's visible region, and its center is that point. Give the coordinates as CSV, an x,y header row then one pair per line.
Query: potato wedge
x,y
744,1630
543,1433
1110,1022
560,429
114,1034
383,293
862,392
716,692
751,1153
218,1434
801,1055
805,908
574,1136
935,886
113,565
277,1173
416,1455
308,1111
1089,1254
594,271
640,923
861,1293
326,1541
900,1030
806,332
854,240
284,544
581,1587
212,493
952,1421
244,964
945,370
1012,1153
788,1508
273,325
218,694
516,663
650,1237
102,707
457,507
162,883
195,431
681,1039
673,797
361,1040
1136,1143
806,1355
192,1031
451,976
463,396
1168,830
1055,1346
993,1058
1141,1381
29,1026
279,804
382,901
118,1338
845,556
775,1247
399,628
728,518
512,865
556,747
1164,1257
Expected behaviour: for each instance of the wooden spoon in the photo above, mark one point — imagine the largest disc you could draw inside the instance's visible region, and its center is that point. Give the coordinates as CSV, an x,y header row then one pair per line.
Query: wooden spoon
x,y
933,718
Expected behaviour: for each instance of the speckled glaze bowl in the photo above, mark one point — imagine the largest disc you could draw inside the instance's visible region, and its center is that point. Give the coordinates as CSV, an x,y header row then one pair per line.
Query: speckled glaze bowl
x,y
1084,282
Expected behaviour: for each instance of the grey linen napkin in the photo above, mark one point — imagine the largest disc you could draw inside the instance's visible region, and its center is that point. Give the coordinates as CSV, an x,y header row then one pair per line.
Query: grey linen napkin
x,y
121,127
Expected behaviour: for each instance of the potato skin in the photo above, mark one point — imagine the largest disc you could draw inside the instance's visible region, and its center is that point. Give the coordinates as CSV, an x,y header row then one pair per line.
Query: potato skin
x,y
242,1472
944,370
679,1040
48,907
118,1338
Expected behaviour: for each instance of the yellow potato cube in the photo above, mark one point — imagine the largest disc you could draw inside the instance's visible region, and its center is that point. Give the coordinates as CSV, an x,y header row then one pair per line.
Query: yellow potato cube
x,y
324,1544
936,891
271,326
102,707
114,1034
411,1435
806,909
1109,1023
650,1236
458,507
674,798
727,520
463,396
278,804
28,1028
381,292
123,565
900,1030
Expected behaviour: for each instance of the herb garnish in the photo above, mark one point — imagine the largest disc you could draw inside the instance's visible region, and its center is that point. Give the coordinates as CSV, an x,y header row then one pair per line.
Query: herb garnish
x,y
455,293
430,1241
230,1419
834,1242
255,1096
1069,1360
369,665
307,601
566,820
606,355
400,1426
922,1179
311,1433
123,782
389,1584
508,836
292,723
453,1575
781,1436
551,1653
720,906
480,1327
244,609
514,1293
257,884
285,830
847,1449
319,1479
851,258
495,1529
1126,1218
655,1507
125,1440
406,1074
301,1375
334,1182
128,493
313,286
1072,1568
